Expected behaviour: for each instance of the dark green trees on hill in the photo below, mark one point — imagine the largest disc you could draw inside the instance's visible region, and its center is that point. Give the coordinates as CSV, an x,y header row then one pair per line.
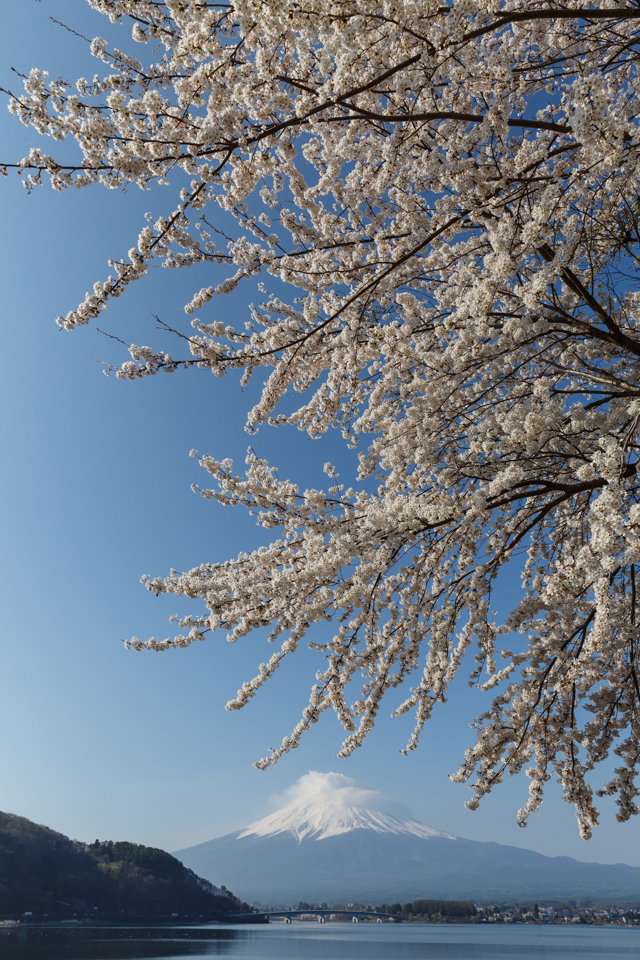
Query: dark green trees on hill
x,y
45,873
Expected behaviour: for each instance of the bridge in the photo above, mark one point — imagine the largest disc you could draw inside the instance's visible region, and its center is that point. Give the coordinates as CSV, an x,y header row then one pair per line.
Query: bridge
x,y
322,914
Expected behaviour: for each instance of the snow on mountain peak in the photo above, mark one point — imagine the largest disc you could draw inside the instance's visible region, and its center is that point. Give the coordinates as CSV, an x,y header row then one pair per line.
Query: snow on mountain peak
x,y
327,804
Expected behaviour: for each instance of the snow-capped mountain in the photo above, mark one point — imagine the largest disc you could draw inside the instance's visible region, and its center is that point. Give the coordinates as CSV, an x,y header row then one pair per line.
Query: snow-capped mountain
x,y
339,840
332,804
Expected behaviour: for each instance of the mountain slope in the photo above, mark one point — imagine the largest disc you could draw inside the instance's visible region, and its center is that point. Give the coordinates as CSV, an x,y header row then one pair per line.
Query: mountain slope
x,y
341,841
44,872
319,820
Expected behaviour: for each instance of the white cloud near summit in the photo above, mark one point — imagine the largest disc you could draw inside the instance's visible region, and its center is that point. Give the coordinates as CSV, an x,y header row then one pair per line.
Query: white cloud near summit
x,y
324,805
336,788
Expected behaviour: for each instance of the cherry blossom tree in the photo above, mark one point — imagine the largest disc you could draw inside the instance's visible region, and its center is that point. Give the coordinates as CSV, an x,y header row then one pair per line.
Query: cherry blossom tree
x,y
444,201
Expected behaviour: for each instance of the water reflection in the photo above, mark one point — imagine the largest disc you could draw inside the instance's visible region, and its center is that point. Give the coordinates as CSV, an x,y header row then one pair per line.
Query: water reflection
x,y
310,941
137,943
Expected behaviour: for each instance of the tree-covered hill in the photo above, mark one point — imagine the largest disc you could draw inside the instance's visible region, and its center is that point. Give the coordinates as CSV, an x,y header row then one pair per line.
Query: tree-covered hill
x,y
46,873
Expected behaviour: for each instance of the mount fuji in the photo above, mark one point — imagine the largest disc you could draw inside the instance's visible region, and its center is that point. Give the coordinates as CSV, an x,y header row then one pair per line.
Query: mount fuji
x,y
338,839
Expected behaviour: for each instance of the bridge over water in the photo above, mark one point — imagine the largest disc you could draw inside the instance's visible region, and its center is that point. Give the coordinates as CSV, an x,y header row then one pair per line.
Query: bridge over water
x,y
353,915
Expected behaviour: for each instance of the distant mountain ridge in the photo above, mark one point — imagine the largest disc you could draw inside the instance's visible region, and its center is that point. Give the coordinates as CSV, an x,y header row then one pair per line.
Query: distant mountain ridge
x,y
340,840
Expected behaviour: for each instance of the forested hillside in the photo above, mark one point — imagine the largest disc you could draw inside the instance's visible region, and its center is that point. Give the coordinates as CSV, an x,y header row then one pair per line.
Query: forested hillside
x,y
47,874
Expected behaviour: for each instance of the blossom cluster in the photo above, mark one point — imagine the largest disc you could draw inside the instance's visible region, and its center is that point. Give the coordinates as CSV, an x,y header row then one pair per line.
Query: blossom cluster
x,y
450,194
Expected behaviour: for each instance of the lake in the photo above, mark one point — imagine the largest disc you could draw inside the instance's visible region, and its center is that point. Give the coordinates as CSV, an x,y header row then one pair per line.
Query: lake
x,y
329,941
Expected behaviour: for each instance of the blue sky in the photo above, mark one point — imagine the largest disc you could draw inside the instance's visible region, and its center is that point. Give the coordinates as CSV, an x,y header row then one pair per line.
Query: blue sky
x,y
95,492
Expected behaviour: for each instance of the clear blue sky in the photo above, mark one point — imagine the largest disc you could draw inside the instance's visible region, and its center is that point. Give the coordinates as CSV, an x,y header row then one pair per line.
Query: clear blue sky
x,y
95,491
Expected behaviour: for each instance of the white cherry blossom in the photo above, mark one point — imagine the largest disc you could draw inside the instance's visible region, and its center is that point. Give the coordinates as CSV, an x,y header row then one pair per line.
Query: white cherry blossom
x,y
451,193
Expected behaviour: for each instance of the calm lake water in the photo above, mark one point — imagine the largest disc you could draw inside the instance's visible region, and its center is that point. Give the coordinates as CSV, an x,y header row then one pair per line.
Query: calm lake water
x,y
329,941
